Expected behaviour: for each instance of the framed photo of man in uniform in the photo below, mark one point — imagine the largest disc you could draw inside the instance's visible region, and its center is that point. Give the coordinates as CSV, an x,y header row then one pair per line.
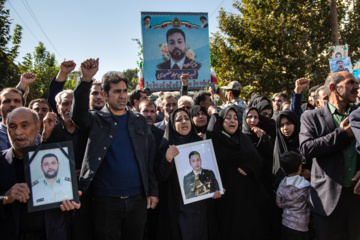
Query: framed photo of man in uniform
x,y
197,170
50,174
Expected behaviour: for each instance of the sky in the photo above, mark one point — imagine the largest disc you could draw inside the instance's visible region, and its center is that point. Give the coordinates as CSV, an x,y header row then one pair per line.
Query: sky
x,y
78,29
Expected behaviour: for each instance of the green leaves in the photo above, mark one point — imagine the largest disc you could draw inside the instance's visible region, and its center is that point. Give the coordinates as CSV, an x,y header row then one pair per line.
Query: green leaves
x,y
269,44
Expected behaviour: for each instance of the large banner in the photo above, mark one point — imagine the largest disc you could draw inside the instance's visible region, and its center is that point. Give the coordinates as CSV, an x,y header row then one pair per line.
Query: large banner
x,y
175,44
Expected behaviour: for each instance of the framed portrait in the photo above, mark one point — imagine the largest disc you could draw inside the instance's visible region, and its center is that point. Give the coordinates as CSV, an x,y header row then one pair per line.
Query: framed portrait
x,y
338,51
50,174
175,43
341,65
197,170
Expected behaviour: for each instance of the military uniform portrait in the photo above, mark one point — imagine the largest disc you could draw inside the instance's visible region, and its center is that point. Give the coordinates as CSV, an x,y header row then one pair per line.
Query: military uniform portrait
x,y
341,65
198,173
50,174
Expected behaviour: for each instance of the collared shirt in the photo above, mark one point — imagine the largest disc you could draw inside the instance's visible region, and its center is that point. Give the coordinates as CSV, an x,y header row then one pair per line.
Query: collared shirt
x,y
179,63
195,173
350,155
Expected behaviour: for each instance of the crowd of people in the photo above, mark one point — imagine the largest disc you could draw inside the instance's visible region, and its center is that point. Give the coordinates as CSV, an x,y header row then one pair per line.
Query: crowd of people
x,y
290,170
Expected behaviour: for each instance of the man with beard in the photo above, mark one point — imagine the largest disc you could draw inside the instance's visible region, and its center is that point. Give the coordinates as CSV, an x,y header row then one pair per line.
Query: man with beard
x,y
176,43
97,101
51,188
341,68
136,96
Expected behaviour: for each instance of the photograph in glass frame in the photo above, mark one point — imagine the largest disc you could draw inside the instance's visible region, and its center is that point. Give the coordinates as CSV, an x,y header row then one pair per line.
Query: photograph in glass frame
x,y
197,170
174,44
50,173
341,65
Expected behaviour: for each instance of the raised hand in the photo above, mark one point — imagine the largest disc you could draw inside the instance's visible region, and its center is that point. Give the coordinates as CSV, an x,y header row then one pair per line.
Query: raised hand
x,y
26,79
89,68
66,67
184,79
48,124
301,84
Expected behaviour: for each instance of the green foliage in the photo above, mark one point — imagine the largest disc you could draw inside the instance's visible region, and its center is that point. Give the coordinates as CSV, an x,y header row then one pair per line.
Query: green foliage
x,y
9,72
270,44
42,63
131,75
140,63
350,32
72,79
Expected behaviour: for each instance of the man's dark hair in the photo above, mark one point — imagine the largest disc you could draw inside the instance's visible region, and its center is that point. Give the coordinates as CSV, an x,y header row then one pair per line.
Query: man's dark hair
x,y
281,94
335,78
235,93
201,97
316,97
96,83
193,153
47,156
39,100
174,30
313,89
13,90
339,61
114,78
290,162
147,17
146,103
202,17
135,94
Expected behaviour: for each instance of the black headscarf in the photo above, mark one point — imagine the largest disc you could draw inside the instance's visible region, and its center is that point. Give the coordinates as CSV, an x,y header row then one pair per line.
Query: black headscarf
x,y
246,128
254,100
264,105
282,143
194,110
172,137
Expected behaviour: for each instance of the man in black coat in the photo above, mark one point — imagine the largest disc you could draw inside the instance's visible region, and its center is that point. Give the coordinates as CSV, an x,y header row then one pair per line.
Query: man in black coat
x,y
15,221
326,137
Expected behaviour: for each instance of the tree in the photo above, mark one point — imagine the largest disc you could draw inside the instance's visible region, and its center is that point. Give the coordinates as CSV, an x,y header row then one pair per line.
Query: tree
x,y
270,44
131,75
42,63
72,79
350,31
9,72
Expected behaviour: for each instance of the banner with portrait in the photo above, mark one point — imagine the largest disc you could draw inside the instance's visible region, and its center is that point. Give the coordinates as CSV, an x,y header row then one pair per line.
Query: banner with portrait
x,y
356,70
175,44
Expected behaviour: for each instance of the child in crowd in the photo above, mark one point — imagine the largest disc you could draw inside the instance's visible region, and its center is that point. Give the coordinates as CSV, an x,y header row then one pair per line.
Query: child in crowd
x,y
293,195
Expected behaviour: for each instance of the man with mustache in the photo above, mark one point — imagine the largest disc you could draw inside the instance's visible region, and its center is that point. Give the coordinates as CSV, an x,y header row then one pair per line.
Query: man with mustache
x,y
169,105
15,220
51,188
176,43
327,138
148,109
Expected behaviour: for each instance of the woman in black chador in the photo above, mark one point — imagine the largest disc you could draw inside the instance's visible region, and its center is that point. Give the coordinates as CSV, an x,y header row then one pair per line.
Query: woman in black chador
x,y
176,220
199,119
237,211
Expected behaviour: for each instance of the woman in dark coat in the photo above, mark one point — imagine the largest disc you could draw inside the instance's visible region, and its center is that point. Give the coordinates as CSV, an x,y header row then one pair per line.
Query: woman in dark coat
x,y
199,119
237,211
176,220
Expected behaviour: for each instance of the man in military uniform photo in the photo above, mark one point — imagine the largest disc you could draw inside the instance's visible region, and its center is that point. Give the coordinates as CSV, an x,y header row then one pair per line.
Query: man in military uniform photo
x,y
51,188
199,181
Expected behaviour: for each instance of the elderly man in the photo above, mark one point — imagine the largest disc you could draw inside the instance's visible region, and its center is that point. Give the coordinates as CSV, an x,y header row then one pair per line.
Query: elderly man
x,y
327,138
169,106
120,149
186,102
15,221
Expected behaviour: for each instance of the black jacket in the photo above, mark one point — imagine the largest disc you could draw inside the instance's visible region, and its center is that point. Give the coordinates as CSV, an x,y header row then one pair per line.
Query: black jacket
x,y
102,126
